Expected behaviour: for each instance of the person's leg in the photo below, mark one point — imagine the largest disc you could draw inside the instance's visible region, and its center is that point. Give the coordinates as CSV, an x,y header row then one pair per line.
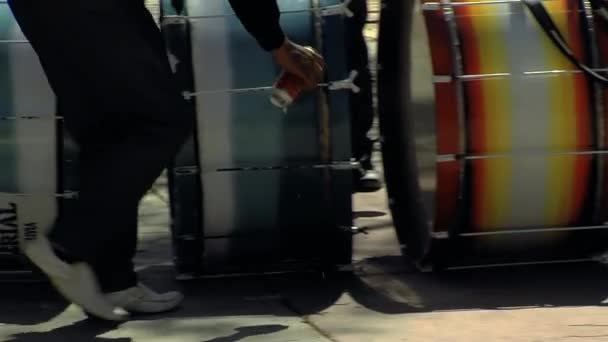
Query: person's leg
x,y
72,277
116,270
362,108
137,122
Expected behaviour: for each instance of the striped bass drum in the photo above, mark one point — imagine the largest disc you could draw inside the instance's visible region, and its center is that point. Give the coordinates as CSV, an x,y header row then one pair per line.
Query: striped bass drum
x,y
494,141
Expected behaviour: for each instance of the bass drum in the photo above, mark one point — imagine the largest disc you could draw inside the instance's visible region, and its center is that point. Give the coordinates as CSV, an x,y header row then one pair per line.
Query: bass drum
x,y
32,176
257,189
494,143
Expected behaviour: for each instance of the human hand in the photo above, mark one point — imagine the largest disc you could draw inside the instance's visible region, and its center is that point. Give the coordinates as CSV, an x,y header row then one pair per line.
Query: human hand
x,y
301,61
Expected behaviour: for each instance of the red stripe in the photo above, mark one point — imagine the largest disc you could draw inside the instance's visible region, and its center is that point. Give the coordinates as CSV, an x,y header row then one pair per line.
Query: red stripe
x,y
583,115
447,194
445,93
447,118
581,86
438,33
475,105
446,107
581,188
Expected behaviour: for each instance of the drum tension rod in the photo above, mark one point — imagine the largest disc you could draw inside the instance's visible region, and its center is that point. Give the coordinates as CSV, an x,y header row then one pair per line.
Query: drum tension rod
x,y
435,6
64,195
348,83
14,41
326,11
29,117
342,166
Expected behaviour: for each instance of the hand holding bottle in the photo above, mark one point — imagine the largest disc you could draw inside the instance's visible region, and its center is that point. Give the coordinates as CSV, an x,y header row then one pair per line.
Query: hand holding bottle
x,y
303,62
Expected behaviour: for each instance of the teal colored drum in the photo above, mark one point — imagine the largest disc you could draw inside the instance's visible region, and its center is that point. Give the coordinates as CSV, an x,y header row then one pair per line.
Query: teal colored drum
x,y
257,188
29,146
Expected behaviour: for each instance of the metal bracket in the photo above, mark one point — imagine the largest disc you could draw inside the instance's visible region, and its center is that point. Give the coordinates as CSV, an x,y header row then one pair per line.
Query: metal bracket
x,y
348,83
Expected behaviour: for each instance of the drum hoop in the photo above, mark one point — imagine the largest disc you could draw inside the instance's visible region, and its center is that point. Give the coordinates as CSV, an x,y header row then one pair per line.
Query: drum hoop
x,y
458,70
599,104
324,129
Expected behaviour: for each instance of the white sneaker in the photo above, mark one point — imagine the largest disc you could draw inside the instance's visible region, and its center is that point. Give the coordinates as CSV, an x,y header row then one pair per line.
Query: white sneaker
x,y
140,299
76,282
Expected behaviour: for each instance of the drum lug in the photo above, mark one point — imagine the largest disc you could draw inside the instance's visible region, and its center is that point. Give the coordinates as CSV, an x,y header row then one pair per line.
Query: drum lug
x,y
354,230
348,83
172,20
187,237
440,235
442,79
431,6
338,10
424,267
601,258
186,170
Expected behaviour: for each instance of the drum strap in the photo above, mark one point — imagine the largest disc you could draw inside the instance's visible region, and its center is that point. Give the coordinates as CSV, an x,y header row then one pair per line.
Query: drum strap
x,y
544,20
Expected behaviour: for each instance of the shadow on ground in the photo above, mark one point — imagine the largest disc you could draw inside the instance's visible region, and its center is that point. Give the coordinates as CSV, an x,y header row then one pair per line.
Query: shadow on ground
x,y
85,331
383,285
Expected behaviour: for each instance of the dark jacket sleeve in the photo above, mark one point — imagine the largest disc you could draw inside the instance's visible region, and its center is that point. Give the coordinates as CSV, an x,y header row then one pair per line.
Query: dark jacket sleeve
x,y
261,19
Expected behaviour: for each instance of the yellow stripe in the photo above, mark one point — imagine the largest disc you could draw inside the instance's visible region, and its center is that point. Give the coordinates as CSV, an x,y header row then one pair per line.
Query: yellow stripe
x,y
562,125
497,113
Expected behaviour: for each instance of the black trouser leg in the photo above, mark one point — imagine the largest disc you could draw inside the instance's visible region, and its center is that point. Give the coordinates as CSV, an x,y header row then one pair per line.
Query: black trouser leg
x,y
362,110
105,61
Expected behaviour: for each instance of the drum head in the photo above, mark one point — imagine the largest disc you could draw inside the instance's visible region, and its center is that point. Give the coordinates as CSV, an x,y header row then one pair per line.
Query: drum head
x,y
410,204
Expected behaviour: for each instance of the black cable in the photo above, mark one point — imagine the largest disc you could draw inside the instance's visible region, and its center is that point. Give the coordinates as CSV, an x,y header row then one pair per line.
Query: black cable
x,y
543,18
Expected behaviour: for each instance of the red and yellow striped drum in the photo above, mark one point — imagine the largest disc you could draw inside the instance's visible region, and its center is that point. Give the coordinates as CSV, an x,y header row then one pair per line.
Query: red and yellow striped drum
x,y
516,133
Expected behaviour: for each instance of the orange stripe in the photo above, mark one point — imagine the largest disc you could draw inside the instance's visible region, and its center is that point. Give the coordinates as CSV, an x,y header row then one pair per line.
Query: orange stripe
x,y
488,112
582,120
583,115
